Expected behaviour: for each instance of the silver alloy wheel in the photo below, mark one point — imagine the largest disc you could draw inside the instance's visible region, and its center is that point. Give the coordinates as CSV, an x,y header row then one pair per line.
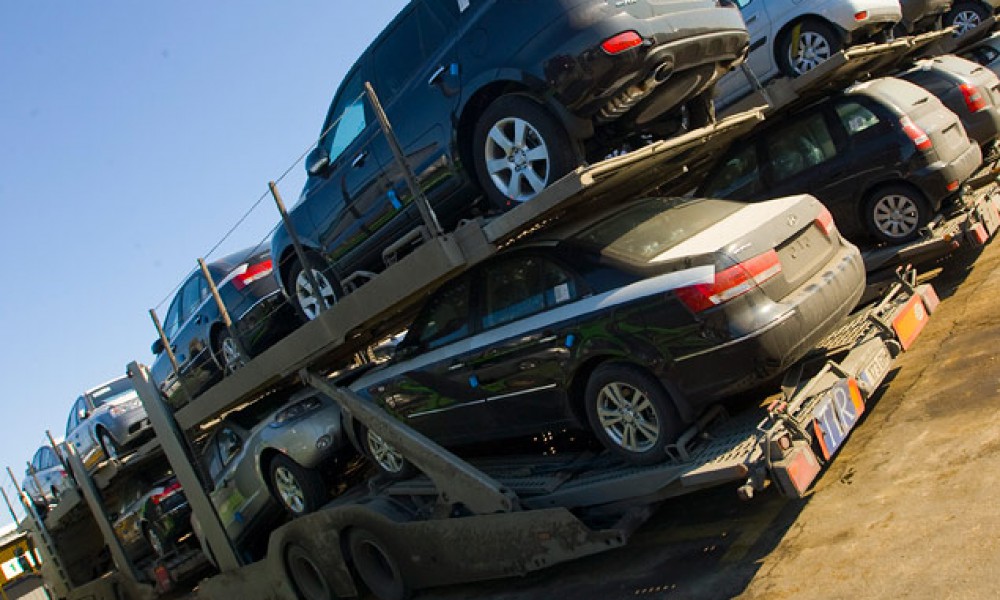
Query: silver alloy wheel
x,y
109,447
896,215
628,417
289,490
812,50
384,454
965,20
156,542
308,301
231,355
517,159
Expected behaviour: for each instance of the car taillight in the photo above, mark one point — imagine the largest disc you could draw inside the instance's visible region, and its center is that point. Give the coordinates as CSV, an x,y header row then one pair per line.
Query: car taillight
x,y
252,274
731,283
917,135
621,42
825,221
974,99
167,492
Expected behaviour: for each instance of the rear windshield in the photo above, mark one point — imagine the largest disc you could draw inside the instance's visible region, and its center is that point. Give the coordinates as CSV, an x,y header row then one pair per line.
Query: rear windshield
x,y
652,226
113,391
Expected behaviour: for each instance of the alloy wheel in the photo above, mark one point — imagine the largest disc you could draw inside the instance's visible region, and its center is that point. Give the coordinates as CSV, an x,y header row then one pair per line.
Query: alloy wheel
x,y
231,355
308,300
966,20
628,417
387,457
289,490
813,49
517,159
896,215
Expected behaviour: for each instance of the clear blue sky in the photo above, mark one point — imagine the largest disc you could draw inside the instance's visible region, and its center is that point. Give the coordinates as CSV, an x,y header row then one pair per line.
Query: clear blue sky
x,y
132,136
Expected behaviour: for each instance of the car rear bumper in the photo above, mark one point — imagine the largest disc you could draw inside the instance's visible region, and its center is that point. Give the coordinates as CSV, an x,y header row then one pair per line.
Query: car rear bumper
x,y
935,179
983,126
876,14
809,314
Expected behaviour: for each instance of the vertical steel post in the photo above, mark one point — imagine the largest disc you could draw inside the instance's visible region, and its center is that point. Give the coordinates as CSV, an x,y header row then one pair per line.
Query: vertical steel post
x,y
171,439
426,212
55,448
297,245
10,506
93,498
20,492
166,343
34,477
223,311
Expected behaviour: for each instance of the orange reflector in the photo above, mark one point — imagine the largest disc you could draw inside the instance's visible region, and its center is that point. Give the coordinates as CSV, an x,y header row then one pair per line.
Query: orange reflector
x,y
952,186
856,398
796,472
977,234
910,322
861,16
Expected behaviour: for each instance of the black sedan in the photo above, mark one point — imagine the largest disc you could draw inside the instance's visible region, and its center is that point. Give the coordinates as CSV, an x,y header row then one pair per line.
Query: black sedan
x,y
152,517
632,321
204,348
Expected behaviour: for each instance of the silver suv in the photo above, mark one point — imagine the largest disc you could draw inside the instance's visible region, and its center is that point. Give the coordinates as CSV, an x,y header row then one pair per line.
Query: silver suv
x,y
106,421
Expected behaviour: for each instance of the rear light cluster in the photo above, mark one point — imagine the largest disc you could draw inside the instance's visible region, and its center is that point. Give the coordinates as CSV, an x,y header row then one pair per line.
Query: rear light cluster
x,y
252,273
974,99
731,283
167,492
825,222
621,42
917,135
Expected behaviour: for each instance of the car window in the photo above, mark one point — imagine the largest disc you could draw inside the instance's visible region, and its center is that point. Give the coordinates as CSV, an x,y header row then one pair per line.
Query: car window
x,y
172,322
799,146
743,3
445,318
523,286
195,290
74,414
46,458
214,461
856,118
983,55
348,117
229,443
401,53
112,391
737,178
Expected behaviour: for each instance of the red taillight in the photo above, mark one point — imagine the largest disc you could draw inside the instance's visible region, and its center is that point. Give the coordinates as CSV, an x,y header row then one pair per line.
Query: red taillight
x,y
252,274
973,97
916,134
861,15
621,42
825,222
731,283
167,492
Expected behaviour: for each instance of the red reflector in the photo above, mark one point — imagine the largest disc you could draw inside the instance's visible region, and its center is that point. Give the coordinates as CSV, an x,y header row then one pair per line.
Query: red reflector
x,y
731,283
973,98
916,134
252,274
861,16
166,493
825,222
621,42
952,186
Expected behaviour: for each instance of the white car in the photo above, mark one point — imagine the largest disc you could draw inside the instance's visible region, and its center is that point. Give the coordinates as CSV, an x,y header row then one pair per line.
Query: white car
x,y
790,37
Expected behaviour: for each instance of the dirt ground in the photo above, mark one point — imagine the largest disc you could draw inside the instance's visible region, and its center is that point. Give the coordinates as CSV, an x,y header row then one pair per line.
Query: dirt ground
x,y
905,510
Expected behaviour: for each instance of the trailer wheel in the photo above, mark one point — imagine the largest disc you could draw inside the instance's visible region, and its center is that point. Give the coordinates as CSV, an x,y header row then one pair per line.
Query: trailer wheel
x,y
895,213
307,301
520,149
299,490
306,576
376,566
631,413
389,461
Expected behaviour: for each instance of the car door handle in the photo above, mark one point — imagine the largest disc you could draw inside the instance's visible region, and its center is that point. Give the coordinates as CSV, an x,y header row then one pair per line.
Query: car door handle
x,y
436,75
751,19
360,159
200,320
456,366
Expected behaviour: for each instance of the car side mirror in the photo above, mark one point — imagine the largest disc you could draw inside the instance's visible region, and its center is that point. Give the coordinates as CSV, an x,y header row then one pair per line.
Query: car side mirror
x,y
318,162
157,346
82,414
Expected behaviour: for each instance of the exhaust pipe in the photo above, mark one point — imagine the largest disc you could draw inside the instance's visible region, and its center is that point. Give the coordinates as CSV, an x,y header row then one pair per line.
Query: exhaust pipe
x,y
632,95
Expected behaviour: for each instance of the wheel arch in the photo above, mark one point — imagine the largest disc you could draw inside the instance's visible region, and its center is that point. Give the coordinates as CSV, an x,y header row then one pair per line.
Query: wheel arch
x,y
578,386
286,260
786,29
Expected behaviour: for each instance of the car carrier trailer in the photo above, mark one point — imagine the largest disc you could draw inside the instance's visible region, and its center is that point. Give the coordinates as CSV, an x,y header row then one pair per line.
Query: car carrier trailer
x,y
467,521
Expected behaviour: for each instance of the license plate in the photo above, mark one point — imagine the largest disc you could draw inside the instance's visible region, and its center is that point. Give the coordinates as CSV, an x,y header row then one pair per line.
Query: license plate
x,y
835,416
874,372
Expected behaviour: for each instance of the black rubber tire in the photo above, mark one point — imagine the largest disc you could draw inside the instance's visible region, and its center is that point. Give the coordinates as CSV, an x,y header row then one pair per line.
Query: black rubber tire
x,y
561,156
958,8
220,360
376,566
660,407
307,578
406,469
783,51
309,482
916,209
307,313
109,446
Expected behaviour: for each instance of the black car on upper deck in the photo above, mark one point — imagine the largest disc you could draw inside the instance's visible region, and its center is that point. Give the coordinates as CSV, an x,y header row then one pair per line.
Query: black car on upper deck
x,y
494,98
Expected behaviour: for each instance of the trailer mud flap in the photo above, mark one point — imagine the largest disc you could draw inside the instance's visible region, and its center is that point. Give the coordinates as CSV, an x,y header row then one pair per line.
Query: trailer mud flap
x,y
794,473
910,321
